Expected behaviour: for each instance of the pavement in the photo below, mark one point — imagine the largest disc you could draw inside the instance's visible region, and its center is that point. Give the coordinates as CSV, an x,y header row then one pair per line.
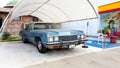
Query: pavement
x,y
20,55
109,58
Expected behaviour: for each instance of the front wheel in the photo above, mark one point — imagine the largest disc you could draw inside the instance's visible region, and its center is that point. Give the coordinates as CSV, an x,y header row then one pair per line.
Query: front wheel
x,y
41,48
24,40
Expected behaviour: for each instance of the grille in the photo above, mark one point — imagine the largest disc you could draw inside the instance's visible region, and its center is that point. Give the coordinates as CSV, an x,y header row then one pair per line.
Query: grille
x,y
68,38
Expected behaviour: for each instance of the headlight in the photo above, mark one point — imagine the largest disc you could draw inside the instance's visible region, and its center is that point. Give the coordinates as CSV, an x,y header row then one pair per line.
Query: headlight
x,y
50,39
82,36
56,38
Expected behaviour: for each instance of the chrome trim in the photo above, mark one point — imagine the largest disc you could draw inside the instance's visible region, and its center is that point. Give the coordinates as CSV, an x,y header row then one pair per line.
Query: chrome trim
x,y
50,43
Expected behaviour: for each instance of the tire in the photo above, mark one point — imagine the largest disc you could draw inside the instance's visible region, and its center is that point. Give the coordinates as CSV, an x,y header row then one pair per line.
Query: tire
x,y
40,46
24,40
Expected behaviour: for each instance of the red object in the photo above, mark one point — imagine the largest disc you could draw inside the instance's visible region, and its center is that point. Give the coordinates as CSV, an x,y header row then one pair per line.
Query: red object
x,y
118,34
113,39
108,34
115,33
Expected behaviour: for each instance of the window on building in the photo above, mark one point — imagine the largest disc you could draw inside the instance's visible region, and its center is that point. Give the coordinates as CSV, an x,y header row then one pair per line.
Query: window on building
x,y
35,19
17,19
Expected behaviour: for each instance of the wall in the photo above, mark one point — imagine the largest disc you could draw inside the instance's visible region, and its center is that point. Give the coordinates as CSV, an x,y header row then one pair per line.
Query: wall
x,y
15,26
3,15
91,30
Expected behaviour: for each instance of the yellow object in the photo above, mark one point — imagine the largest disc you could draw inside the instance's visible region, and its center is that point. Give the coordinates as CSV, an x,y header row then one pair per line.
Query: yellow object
x,y
109,7
109,30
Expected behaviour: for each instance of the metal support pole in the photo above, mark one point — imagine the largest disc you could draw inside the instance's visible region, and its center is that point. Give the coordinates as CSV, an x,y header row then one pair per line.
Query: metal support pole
x,y
104,42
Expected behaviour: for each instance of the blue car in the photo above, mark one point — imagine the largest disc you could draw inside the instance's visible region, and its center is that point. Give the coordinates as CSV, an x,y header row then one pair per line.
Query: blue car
x,y
48,36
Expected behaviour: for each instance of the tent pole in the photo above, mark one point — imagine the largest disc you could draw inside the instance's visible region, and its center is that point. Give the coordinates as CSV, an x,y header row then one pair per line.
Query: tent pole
x,y
4,23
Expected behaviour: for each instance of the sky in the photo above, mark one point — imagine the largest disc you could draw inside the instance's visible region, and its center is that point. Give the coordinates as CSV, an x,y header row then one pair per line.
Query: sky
x,y
95,2
4,2
103,2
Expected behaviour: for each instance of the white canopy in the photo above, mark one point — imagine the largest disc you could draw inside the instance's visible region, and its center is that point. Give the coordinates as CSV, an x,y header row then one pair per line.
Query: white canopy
x,y
55,10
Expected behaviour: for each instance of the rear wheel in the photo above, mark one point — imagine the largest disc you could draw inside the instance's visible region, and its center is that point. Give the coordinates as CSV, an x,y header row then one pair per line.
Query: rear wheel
x,y
41,48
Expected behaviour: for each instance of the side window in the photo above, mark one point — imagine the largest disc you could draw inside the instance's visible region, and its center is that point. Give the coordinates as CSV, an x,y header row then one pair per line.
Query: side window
x,y
29,27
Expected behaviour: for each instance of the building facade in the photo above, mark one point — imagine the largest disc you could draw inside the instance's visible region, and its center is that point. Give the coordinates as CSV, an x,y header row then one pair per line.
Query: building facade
x,y
17,24
110,18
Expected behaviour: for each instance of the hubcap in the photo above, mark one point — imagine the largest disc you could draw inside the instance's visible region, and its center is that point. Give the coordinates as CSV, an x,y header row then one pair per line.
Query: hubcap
x,y
39,45
23,38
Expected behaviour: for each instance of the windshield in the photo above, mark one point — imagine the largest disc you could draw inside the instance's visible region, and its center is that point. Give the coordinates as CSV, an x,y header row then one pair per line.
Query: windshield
x,y
45,26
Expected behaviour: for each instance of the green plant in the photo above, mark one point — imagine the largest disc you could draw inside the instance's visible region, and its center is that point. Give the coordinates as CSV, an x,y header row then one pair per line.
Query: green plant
x,y
10,39
5,35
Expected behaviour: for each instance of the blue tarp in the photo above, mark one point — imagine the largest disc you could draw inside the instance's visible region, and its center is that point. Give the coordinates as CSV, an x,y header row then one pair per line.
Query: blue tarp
x,y
100,44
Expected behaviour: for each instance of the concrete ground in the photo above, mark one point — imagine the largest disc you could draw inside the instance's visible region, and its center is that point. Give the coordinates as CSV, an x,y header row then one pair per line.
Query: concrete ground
x,y
20,55
100,59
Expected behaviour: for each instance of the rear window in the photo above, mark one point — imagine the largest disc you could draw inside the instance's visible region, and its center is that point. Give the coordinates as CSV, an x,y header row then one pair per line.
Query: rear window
x,y
45,26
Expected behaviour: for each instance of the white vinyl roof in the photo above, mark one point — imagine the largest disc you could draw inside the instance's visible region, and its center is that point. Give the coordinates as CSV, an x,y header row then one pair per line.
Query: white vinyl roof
x,y
55,10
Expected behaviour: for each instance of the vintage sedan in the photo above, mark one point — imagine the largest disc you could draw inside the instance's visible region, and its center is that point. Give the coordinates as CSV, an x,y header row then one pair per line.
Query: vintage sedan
x,y
48,36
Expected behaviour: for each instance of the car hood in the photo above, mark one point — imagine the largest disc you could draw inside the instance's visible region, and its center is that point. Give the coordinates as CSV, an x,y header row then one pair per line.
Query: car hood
x,y
60,32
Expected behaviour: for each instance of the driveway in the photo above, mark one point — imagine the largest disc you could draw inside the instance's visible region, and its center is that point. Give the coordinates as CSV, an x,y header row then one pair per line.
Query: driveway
x,y
19,55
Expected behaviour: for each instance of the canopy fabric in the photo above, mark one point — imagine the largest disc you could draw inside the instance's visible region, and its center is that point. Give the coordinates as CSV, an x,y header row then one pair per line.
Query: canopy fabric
x,y
5,9
55,10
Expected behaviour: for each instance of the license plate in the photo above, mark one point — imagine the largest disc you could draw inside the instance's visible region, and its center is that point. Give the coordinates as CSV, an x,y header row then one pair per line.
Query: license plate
x,y
71,46
64,46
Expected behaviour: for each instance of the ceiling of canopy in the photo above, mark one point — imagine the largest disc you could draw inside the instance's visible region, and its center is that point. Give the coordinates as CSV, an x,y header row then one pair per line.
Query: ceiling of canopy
x,y
55,10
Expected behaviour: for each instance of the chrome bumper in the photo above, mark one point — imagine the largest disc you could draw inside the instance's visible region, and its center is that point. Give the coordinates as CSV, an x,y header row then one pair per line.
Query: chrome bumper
x,y
63,44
